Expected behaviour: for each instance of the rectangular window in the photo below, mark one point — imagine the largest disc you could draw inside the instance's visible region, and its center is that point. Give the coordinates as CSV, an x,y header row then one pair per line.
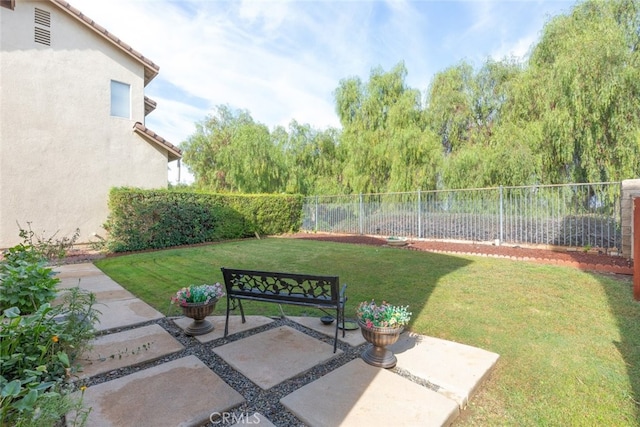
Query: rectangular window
x,y
120,99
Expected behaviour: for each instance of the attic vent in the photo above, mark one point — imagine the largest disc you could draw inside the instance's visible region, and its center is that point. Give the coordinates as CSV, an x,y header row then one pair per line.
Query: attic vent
x,y
42,18
43,36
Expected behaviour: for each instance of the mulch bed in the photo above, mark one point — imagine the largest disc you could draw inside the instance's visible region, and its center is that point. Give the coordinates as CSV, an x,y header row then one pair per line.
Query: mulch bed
x,y
561,256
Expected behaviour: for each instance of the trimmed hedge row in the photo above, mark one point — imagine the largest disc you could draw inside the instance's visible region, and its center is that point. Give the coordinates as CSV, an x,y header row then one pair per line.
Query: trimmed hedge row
x,y
154,219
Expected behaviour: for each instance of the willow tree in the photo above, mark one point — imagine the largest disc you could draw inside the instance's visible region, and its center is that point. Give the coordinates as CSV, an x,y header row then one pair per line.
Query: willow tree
x,y
465,109
579,99
231,152
311,158
450,106
385,143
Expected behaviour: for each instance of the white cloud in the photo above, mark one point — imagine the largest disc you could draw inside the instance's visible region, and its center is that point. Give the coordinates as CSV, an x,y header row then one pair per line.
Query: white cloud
x,y
282,60
270,14
519,50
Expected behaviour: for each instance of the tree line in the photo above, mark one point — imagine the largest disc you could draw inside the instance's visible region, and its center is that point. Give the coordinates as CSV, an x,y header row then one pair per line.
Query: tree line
x,y
570,113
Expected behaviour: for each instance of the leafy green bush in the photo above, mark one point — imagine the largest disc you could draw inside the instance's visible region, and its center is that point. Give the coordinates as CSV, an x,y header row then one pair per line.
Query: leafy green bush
x,y
37,353
26,281
153,219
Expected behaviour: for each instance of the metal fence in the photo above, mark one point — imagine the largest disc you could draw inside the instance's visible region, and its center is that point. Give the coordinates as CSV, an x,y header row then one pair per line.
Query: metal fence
x,y
578,215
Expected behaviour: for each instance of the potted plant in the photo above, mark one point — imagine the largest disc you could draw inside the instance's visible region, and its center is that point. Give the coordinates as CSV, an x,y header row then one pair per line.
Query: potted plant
x,y
197,302
381,325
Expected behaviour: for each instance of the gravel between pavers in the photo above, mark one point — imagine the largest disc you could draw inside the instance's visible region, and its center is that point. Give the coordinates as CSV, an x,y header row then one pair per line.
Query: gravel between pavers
x,y
266,402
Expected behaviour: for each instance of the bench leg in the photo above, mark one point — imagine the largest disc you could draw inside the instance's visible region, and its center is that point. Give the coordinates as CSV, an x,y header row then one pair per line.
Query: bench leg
x,y
339,318
241,311
226,323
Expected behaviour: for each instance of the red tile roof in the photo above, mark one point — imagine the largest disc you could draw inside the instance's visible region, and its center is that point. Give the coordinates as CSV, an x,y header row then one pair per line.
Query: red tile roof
x,y
149,105
150,69
174,152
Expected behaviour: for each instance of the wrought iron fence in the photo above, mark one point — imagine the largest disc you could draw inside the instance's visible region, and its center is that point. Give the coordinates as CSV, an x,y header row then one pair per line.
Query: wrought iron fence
x,y
578,215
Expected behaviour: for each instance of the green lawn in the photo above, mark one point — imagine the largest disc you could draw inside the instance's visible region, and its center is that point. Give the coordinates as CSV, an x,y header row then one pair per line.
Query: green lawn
x,y
569,341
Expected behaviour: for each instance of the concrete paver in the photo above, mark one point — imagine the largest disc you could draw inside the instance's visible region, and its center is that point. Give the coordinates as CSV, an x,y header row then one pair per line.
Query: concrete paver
x,y
235,325
354,338
77,270
95,283
271,357
457,369
357,394
127,348
118,306
183,392
126,312
254,419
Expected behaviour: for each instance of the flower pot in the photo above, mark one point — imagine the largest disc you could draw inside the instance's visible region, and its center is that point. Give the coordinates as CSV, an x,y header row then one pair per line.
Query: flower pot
x,y
377,354
198,311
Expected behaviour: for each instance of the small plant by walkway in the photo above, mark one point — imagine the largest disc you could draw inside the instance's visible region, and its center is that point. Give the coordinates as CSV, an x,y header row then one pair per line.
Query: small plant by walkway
x,y
569,341
40,339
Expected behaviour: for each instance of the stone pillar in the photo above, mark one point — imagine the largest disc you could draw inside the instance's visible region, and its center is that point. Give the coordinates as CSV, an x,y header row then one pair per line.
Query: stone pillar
x,y
630,188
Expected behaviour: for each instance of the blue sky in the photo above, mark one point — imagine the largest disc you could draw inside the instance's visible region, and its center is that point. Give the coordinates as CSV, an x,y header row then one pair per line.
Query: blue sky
x,y
283,60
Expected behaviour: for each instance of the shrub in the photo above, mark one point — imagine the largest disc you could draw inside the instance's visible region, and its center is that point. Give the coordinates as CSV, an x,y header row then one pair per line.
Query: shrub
x,y
37,355
51,248
154,219
26,281
39,342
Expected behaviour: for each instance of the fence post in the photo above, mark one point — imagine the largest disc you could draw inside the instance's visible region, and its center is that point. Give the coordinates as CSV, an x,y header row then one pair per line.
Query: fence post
x,y
636,248
501,217
316,216
360,215
419,216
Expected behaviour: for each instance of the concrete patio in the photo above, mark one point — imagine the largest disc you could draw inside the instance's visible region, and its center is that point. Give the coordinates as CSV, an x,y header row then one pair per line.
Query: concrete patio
x,y
143,374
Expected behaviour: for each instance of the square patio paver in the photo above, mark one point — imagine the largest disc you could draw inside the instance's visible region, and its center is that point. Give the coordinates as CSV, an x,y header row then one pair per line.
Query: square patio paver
x,y
235,325
457,369
271,357
357,394
354,337
183,392
127,348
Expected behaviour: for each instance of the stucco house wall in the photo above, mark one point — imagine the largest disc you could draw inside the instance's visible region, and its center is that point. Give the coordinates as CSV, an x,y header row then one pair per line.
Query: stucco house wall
x,y
61,150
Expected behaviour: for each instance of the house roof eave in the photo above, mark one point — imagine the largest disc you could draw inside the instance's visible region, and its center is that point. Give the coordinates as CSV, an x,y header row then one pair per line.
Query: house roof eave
x,y
150,68
149,105
173,152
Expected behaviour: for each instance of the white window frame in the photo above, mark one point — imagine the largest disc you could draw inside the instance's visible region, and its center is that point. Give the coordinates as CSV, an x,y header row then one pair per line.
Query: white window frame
x,y
120,99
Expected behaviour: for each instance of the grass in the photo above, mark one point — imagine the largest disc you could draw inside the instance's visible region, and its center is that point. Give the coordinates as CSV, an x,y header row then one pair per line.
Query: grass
x,y
569,341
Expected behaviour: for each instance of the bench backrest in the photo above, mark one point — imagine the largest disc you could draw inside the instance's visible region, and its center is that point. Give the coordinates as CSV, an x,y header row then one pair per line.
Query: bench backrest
x,y
287,287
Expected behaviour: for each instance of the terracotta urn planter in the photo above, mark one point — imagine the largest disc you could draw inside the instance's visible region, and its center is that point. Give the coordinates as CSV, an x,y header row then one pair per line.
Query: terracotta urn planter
x,y
198,312
377,354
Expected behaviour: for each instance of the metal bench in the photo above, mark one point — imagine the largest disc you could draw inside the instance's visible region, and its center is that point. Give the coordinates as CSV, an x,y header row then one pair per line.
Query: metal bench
x,y
287,288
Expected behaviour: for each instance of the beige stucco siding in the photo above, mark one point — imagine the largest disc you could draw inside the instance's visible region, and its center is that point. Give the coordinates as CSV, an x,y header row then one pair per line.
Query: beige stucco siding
x,y
60,149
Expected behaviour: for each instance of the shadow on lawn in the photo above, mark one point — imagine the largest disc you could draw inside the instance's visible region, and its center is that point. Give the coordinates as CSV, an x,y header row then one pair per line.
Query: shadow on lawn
x,y
401,276
419,278
627,314
404,278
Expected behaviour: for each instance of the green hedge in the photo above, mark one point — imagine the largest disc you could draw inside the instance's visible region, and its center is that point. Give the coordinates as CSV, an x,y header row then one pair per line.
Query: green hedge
x,y
153,219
